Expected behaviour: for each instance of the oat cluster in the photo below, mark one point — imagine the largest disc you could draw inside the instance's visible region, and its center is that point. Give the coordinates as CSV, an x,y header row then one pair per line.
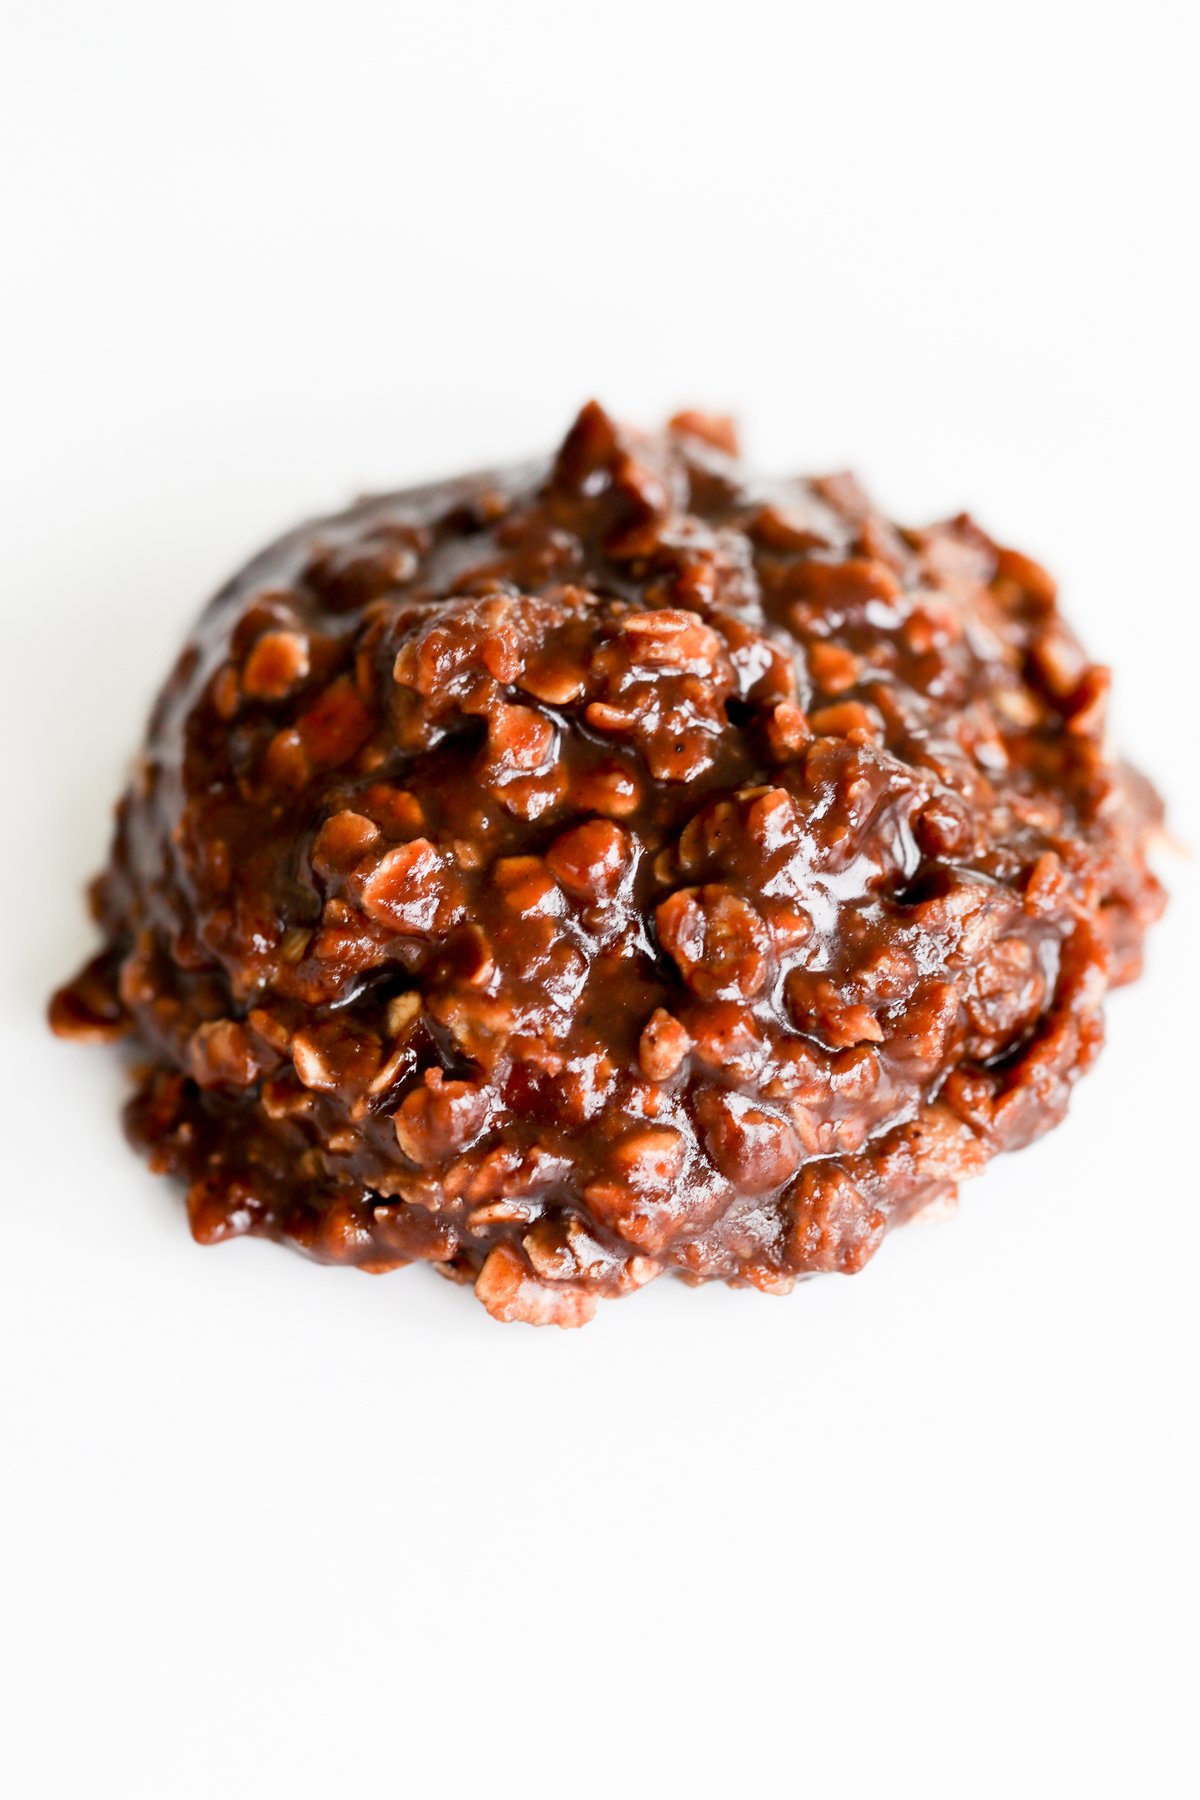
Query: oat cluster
x,y
611,867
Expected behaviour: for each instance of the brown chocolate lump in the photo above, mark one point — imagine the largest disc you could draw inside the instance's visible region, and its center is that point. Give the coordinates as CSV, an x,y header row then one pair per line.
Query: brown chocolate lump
x,y
613,867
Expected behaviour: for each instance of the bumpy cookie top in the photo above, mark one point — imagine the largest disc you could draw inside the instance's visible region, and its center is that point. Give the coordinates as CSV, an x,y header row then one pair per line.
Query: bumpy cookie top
x,y
611,866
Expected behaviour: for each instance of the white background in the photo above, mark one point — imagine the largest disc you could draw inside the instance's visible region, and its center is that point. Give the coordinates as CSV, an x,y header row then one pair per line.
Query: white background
x,y
272,1529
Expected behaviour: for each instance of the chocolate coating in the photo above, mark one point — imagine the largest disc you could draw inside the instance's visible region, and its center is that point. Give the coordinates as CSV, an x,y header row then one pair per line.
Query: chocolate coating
x,y
613,866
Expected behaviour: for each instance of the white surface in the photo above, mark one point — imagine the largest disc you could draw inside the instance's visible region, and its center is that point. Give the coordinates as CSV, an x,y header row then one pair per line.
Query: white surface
x,y
276,1530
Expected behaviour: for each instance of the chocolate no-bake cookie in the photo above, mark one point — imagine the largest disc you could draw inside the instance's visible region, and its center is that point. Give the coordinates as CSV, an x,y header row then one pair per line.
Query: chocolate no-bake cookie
x,y
614,865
